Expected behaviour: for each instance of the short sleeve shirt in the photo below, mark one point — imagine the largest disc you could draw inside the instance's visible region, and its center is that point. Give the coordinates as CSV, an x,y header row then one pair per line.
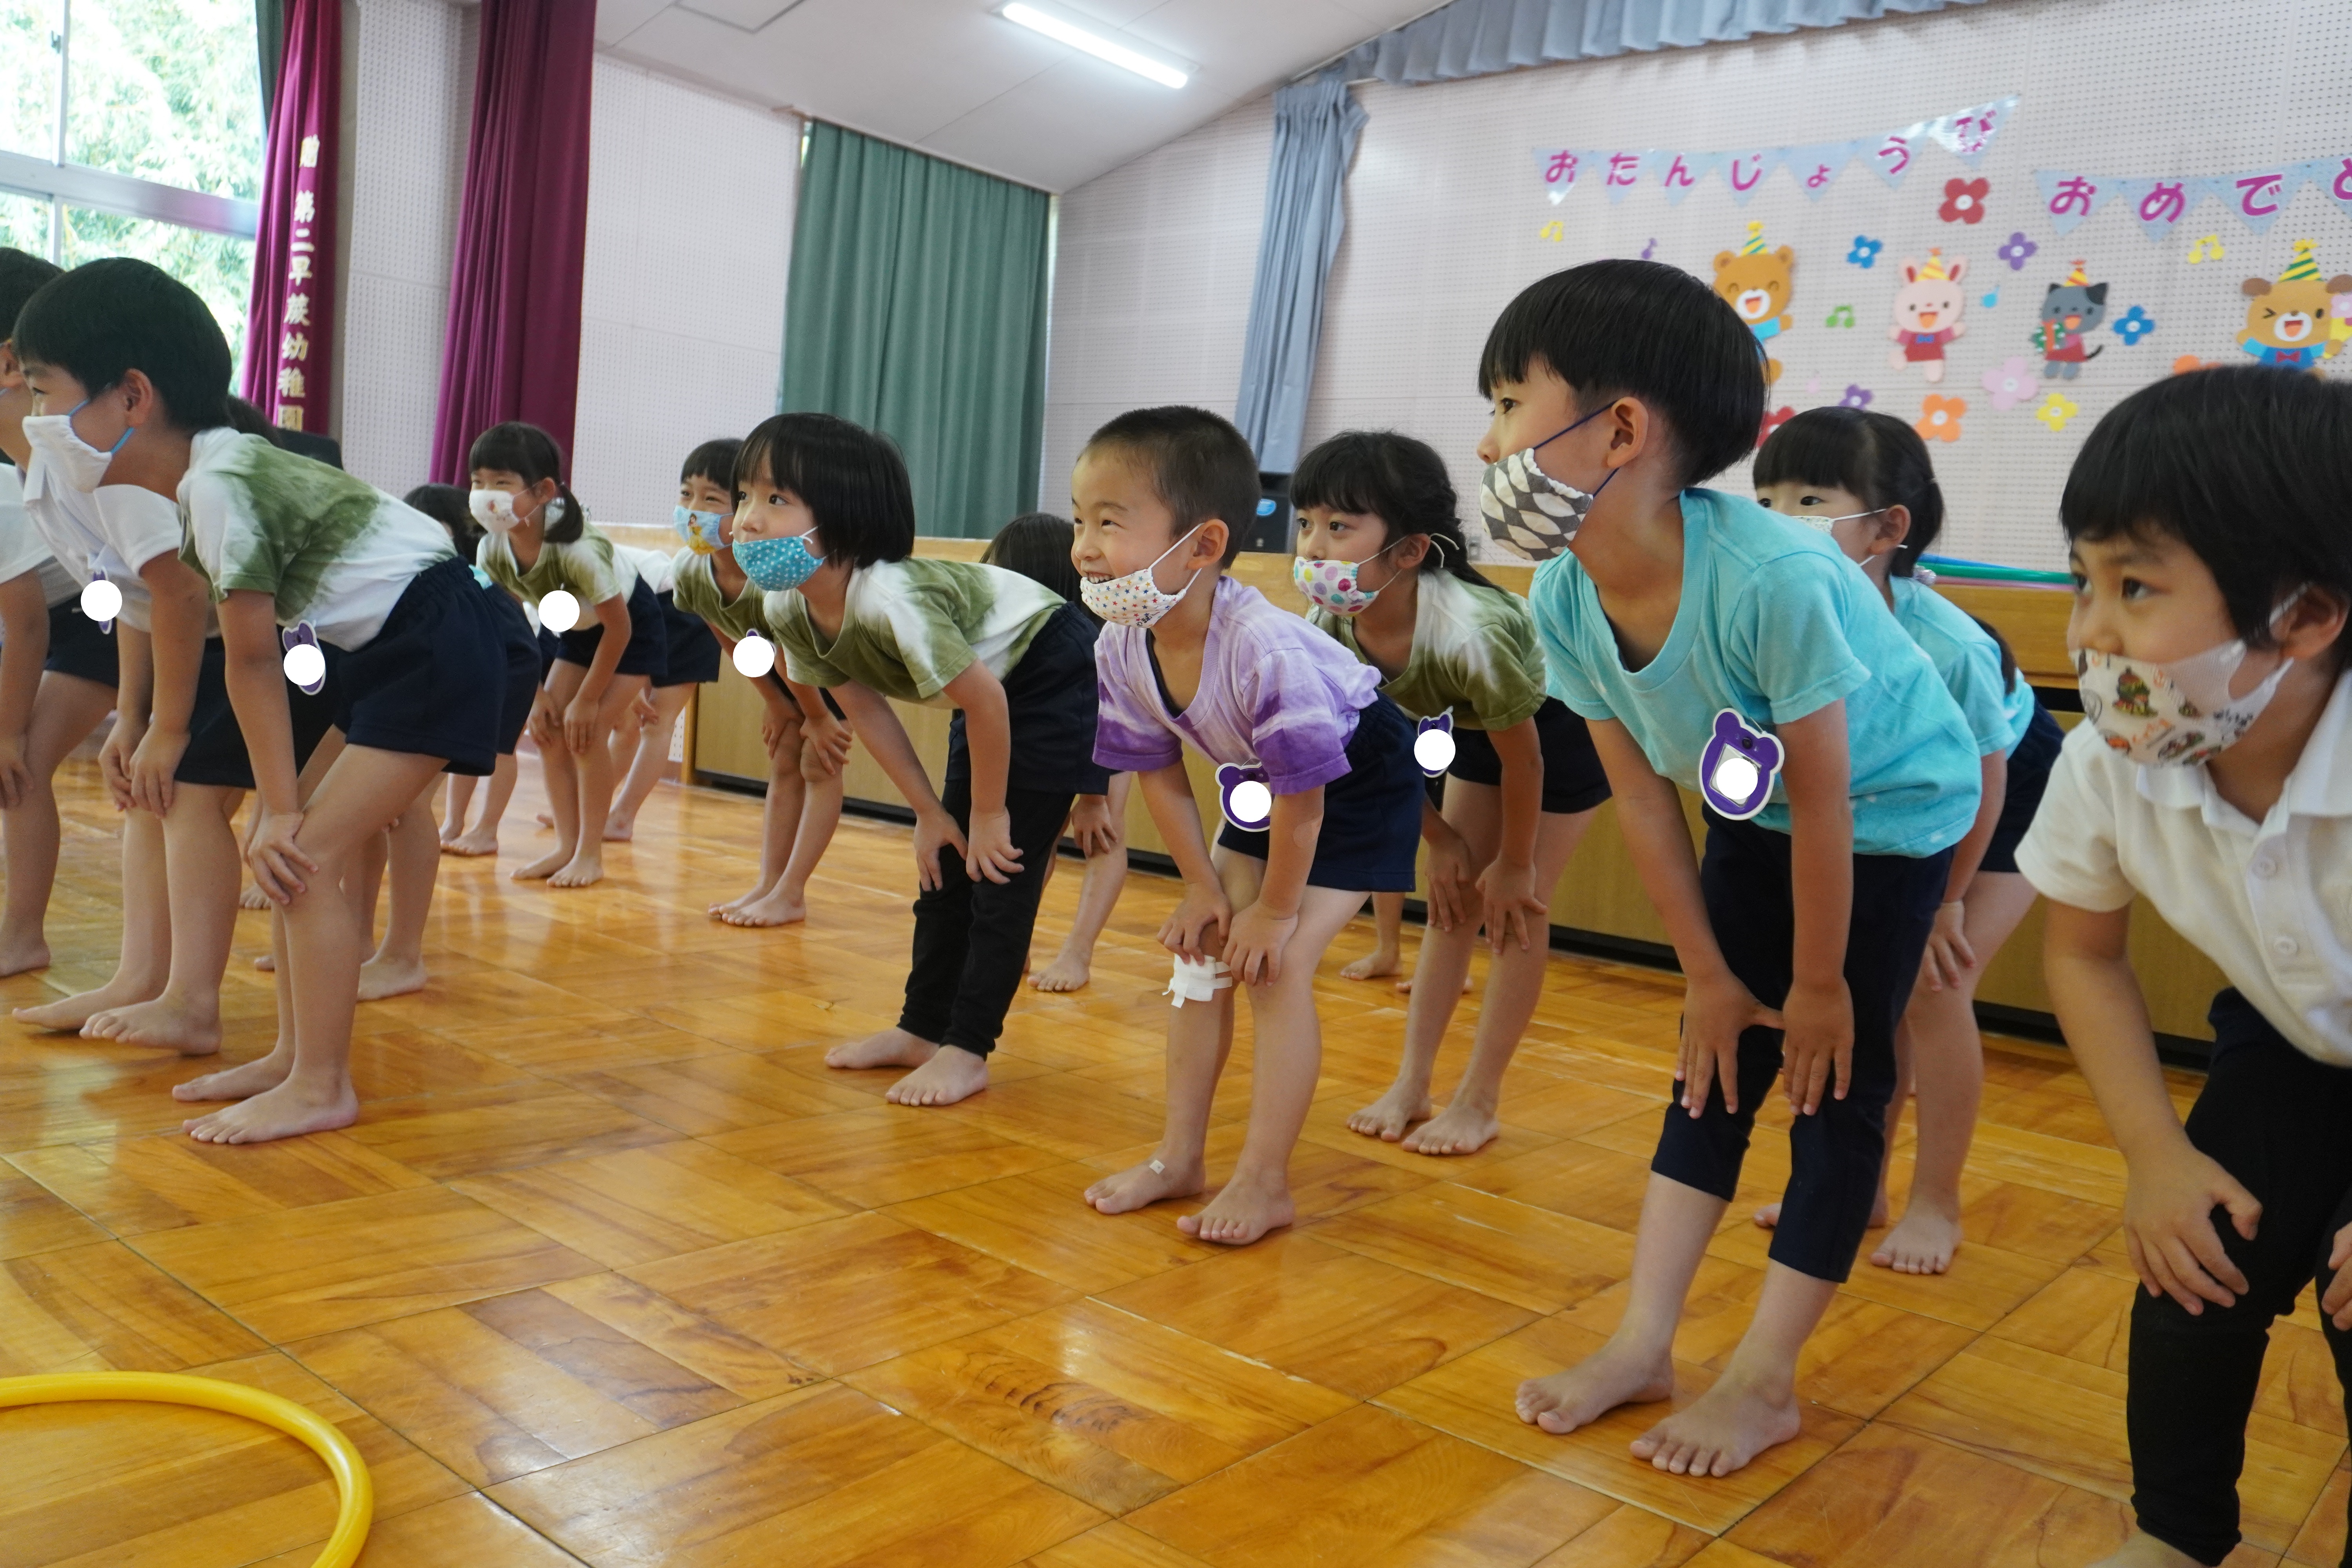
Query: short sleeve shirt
x,y
1775,624
694,588
1275,695
329,548
21,548
1474,654
588,568
910,626
2269,902
67,521
652,567
1998,708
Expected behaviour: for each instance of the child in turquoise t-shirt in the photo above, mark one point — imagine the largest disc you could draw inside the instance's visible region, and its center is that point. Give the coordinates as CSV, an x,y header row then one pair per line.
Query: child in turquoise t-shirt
x,y
1713,646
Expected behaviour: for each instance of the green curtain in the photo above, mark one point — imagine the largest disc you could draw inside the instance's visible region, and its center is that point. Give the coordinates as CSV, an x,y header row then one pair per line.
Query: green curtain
x,y
269,38
916,307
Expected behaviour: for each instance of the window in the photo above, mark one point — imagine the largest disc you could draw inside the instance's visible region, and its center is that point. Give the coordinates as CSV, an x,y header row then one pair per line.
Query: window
x,y
134,128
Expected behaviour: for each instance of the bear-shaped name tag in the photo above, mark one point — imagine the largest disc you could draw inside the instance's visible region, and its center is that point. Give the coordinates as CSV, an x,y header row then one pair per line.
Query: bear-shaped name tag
x,y
1432,745
1736,770
1243,796
306,665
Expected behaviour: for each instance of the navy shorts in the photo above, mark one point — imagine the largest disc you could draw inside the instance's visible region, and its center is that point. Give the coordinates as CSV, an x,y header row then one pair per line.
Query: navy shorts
x,y
1050,703
215,753
647,652
1372,814
432,681
525,668
1574,781
2028,775
692,652
78,648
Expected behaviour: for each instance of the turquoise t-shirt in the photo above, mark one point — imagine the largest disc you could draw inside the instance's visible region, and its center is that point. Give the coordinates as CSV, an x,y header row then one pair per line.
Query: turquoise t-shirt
x,y
1963,654
1775,624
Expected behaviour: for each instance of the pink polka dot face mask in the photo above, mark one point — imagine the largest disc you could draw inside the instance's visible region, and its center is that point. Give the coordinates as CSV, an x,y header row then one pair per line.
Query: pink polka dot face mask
x,y
1135,599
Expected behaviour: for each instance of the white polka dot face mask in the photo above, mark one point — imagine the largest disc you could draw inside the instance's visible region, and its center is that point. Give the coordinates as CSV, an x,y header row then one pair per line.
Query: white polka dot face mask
x,y
1136,599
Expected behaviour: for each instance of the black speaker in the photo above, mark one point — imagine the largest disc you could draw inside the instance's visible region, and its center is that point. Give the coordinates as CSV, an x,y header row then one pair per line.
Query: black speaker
x,y
1271,530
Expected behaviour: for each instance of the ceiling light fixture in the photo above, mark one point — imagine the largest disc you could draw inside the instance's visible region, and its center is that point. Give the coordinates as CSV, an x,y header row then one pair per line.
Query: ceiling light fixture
x,y
1102,48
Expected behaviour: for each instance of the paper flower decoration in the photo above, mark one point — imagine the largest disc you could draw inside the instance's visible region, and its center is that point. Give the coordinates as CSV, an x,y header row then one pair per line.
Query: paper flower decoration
x,y
2011,384
2188,362
2017,252
1940,419
1855,397
2134,325
1964,201
1865,250
2056,410
1773,421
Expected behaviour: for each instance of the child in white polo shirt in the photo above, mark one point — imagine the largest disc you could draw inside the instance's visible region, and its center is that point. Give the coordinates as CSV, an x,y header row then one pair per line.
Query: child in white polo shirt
x,y
2211,545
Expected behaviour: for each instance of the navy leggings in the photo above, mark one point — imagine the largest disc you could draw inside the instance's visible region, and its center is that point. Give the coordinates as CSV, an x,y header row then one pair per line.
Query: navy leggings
x,y
1835,1154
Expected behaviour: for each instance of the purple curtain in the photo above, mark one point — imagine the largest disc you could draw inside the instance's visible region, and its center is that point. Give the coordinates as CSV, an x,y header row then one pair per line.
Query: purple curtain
x,y
512,349
290,317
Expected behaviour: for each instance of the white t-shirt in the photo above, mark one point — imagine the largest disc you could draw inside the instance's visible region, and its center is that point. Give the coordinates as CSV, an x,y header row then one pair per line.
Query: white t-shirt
x,y
22,548
2271,902
69,524
330,550
655,569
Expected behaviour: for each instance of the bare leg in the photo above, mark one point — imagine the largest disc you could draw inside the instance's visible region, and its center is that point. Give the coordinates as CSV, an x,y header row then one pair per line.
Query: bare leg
x,y
820,815
1388,956
482,839
1200,1038
1753,1405
779,821
461,801
587,865
65,709
201,875
413,861
144,964
561,772
652,755
364,790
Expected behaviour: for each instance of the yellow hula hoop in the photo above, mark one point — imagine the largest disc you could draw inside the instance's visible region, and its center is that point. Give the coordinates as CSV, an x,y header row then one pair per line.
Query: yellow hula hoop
x,y
357,1510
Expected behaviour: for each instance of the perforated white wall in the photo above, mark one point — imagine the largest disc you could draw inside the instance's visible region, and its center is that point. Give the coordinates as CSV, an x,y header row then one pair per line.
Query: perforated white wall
x,y
1445,214
690,201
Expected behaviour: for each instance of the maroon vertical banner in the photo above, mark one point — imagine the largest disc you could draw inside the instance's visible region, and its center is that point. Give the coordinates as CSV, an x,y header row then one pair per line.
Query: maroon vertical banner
x,y
291,320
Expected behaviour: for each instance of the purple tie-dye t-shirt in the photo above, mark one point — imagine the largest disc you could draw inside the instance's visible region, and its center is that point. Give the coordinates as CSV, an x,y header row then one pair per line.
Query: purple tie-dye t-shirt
x,y
1275,694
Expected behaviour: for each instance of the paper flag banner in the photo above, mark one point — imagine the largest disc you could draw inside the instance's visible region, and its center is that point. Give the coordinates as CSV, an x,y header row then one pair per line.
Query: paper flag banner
x,y
2258,196
1968,135
2070,198
1744,172
1682,171
2159,205
1891,156
2333,175
1620,171
1816,168
1559,167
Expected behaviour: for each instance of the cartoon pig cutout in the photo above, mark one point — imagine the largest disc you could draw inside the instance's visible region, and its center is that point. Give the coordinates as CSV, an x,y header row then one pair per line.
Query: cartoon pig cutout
x,y
1737,769
1928,313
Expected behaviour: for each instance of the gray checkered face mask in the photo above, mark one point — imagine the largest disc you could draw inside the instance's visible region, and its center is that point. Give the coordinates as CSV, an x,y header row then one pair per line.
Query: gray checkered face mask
x,y
1528,511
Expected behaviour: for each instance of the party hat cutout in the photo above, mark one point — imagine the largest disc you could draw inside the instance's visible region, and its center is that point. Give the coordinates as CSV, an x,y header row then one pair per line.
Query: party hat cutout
x,y
2305,267
1754,244
2078,278
1934,270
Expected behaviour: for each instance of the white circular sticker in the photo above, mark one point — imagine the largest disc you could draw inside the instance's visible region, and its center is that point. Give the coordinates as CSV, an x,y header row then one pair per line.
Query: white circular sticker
x,y
754,656
558,612
1253,802
101,601
1433,750
1735,776
305,664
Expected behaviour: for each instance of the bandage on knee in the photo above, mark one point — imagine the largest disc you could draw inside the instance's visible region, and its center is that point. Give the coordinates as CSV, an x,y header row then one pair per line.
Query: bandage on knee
x,y
1197,980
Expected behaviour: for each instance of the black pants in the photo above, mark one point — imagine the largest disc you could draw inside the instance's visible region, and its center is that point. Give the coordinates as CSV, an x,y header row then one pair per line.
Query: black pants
x,y
2282,1124
971,939
1835,1154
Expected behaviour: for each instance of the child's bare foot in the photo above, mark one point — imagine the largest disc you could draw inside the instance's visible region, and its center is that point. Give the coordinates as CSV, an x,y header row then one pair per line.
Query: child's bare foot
x,y
771,909
1768,1216
166,1021
1240,1213
1154,1181
620,829
1387,1118
584,870
473,841
546,866
242,1081
253,897
1068,972
1459,1128
1405,985
1372,966
546,821
68,1015
891,1048
19,957
1923,1243
1581,1394
2144,1551
286,1111
951,1074
380,978
718,912
1723,1428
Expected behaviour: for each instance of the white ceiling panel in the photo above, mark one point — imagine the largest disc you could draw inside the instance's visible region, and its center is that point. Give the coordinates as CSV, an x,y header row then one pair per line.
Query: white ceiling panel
x,y
953,79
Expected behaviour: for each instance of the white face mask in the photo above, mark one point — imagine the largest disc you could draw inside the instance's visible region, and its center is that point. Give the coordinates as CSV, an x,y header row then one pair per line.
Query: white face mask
x,y
2172,715
494,509
81,466
1136,599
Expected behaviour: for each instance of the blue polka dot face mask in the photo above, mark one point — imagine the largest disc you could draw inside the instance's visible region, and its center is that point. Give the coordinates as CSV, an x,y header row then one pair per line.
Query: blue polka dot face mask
x,y
777,564
699,529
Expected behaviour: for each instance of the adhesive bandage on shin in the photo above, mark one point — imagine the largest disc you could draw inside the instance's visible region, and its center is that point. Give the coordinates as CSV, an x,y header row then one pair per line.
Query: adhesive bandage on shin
x,y
1197,980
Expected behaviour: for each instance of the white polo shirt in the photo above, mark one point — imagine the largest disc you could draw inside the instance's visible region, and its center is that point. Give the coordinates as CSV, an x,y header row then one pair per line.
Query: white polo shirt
x,y
2271,902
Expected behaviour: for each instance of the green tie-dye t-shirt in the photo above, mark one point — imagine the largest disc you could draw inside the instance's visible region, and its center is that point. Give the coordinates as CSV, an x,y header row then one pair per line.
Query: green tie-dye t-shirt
x,y
332,549
1473,653
910,626
587,568
694,589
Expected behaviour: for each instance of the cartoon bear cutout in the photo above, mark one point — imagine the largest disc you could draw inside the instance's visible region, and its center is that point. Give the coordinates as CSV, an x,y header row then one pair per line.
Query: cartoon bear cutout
x,y
1243,797
1927,309
1757,284
2287,321
2069,312
1737,766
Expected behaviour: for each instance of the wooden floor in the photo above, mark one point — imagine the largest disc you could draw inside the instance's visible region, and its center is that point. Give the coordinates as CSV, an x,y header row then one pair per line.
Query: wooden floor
x,y
613,1269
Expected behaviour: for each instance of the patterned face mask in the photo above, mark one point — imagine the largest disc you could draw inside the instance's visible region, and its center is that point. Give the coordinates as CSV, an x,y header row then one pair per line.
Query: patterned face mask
x,y
1528,512
494,509
2172,715
699,529
777,564
1136,599
1336,585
